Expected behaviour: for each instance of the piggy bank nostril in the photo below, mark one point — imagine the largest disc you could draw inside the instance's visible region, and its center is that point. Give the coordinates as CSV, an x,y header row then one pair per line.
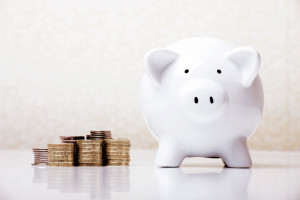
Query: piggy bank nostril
x,y
211,99
196,100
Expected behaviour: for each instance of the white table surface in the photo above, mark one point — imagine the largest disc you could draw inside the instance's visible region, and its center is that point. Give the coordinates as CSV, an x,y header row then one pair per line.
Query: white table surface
x,y
275,175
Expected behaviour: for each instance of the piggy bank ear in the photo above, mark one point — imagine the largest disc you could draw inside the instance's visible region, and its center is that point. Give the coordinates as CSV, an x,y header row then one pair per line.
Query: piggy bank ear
x,y
248,59
156,61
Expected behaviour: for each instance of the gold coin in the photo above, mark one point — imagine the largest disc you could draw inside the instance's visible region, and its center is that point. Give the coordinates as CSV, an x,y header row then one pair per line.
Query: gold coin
x,y
119,160
89,142
90,164
99,146
112,153
117,153
61,157
117,148
61,149
90,155
60,160
86,151
66,164
88,148
95,160
89,152
117,157
64,145
108,141
90,158
83,159
117,164
60,153
89,145
117,145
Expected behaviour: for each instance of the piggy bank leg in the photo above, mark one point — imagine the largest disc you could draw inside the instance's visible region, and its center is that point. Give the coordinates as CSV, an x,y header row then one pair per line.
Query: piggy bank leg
x,y
168,154
237,155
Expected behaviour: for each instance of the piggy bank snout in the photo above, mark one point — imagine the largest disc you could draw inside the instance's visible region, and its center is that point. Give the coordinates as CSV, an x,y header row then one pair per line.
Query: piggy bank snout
x,y
203,100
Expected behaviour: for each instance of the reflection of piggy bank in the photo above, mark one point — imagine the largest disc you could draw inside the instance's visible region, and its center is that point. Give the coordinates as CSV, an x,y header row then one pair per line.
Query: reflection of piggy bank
x,y
202,97
228,184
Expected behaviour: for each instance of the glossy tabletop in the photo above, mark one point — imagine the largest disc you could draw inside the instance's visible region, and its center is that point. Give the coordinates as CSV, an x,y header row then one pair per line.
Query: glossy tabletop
x,y
274,175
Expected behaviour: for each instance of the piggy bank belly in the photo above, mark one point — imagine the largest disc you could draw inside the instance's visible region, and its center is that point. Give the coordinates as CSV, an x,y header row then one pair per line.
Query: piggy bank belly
x,y
176,132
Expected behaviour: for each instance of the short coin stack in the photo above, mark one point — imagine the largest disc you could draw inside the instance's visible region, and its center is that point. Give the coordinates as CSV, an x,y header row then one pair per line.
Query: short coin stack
x,y
40,156
89,152
61,155
117,152
99,135
72,139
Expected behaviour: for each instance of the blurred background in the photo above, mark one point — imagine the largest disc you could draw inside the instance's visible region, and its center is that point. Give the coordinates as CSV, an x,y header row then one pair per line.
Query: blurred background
x,y
68,67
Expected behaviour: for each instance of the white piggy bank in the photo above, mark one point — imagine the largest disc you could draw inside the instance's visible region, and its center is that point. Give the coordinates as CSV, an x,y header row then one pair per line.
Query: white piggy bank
x,y
202,97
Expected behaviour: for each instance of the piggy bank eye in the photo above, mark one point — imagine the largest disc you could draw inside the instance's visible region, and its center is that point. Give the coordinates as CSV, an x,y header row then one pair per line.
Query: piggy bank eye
x,y
186,71
219,71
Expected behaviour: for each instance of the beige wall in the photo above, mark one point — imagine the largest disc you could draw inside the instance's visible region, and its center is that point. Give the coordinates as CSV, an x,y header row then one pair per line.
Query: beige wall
x,y
67,67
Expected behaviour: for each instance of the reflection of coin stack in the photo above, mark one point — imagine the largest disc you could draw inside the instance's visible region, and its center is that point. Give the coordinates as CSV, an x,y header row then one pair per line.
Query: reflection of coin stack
x,y
40,174
99,135
61,155
40,156
91,181
117,152
116,179
89,152
72,139
62,178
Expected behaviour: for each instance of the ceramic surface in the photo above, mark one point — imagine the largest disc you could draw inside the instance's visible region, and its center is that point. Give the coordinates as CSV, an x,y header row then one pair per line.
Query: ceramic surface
x,y
202,97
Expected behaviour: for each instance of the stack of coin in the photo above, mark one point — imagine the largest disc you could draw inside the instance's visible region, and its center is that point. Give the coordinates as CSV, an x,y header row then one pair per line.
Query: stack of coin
x,y
90,152
40,156
61,155
117,152
72,139
99,135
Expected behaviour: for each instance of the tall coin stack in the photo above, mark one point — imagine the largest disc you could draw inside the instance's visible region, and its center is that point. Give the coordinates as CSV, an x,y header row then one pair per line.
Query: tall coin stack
x,y
40,156
117,152
72,139
61,155
99,135
89,152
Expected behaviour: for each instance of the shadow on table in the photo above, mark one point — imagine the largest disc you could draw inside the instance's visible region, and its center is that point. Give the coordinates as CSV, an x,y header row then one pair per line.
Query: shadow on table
x,y
98,181
228,184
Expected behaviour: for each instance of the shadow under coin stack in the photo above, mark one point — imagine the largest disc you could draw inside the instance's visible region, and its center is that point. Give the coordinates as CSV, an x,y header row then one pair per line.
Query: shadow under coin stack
x,y
40,156
99,135
61,155
72,139
117,152
89,152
